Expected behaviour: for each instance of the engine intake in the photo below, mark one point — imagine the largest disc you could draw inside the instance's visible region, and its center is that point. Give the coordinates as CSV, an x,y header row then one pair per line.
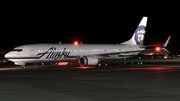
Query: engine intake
x,y
86,60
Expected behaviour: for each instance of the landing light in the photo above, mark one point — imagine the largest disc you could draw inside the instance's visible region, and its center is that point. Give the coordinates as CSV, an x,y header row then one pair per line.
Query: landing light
x,y
62,63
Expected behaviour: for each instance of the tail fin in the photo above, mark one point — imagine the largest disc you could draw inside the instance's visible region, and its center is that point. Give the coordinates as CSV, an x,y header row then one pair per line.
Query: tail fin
x,y
138,36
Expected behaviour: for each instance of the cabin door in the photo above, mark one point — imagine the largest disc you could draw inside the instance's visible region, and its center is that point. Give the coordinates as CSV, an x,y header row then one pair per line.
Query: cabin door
x,y
33,50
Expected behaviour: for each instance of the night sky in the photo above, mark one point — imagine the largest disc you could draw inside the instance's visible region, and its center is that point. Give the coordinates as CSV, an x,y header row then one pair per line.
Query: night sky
x,y
100,24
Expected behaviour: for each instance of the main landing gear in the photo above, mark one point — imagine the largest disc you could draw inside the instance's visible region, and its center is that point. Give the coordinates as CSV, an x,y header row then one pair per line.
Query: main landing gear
x,y
99,65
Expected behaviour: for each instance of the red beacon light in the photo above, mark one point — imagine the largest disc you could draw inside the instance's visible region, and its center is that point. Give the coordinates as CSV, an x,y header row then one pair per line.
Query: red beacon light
x,y
75,43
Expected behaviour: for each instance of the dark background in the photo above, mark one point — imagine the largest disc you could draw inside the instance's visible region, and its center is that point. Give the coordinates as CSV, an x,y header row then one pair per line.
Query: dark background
x,y
28,23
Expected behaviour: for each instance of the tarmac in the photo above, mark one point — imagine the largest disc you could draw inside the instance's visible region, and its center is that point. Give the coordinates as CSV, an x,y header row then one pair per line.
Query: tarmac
x,y
114,81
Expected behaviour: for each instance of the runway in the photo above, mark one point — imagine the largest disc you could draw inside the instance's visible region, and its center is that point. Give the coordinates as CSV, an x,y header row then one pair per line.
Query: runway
x,y
147,82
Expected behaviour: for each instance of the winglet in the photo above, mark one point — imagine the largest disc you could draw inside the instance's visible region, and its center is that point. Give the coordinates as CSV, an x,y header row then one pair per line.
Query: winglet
x,y
165,45
167,41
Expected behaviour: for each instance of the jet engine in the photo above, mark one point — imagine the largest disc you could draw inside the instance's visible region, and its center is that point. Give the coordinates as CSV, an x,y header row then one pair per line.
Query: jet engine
x,y
87,60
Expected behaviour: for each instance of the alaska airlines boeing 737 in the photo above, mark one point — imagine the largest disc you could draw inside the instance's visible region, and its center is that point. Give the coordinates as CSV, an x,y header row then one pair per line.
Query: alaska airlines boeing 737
x,y
84,54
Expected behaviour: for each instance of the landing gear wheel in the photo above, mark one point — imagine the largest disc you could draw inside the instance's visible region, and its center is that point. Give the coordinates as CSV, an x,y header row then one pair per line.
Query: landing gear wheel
x,y
98,65
23,67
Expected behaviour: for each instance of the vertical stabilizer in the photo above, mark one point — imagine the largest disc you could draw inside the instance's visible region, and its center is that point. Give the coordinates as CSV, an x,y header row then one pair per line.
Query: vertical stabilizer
x,y
138,36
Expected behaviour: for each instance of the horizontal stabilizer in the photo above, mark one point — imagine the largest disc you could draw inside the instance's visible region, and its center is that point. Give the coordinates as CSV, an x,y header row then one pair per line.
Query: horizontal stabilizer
x,y
164,44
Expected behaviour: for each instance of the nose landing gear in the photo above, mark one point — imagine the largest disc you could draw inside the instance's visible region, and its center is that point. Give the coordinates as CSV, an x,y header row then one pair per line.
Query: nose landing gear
x,y
20,63
23,67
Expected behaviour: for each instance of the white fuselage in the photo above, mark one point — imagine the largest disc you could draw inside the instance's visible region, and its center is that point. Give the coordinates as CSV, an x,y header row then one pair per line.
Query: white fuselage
x,y
65,52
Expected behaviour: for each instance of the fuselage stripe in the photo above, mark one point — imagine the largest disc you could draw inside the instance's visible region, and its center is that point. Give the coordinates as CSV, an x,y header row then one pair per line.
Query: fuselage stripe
x,y
24,57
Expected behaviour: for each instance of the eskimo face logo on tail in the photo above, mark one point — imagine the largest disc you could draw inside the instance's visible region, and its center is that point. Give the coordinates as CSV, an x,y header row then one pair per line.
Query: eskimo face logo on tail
x,y
139,35
52,53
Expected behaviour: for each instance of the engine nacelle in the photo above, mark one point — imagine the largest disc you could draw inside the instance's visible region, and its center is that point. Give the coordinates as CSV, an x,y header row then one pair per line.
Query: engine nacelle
x,y
85,60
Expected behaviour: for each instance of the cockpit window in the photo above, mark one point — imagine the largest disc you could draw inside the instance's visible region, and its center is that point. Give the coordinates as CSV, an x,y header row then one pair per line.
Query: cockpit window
x,y
18,50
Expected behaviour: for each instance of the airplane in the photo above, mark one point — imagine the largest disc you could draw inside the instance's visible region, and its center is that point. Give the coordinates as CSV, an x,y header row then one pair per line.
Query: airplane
x,y
84,54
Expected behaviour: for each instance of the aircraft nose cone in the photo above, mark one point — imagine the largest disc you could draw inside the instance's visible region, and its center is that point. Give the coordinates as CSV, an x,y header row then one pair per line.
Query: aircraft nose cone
x,y
7,55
